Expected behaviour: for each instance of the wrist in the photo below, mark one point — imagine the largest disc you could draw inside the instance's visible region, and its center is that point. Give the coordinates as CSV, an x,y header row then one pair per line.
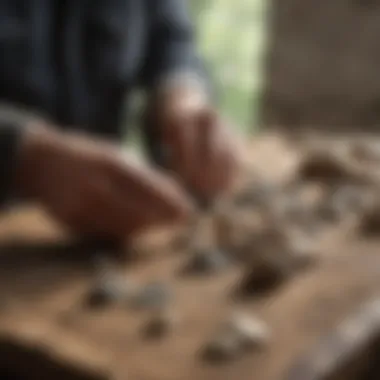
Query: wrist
x,y
181,90
182,80
36,149
180,102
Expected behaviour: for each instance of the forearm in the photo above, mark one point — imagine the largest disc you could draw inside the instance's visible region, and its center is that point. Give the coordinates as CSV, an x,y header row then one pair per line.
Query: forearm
x,y
174,76
15,123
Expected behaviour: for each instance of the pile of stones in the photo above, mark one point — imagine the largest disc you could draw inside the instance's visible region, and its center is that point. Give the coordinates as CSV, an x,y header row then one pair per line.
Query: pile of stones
x,y
273,231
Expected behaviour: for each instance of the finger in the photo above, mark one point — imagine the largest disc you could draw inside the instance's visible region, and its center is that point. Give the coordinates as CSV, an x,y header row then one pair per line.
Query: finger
x,y
116,216
102,220
206,133
178,140
227,170
111,214
159,196
233,149
218,158
221,164
206,150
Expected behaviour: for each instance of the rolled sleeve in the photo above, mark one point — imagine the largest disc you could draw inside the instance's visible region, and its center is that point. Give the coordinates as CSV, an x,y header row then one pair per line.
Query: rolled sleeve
x,y
172,54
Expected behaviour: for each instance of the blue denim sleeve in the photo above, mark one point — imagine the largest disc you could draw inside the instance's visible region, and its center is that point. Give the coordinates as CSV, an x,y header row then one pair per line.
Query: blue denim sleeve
x,y
172,48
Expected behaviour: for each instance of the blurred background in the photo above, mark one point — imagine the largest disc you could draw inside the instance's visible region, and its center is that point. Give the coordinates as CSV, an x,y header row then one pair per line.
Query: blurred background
x,y
232,38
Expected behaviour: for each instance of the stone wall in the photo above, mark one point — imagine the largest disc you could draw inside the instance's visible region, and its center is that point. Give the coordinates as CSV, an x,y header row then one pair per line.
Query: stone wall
x,y
323,64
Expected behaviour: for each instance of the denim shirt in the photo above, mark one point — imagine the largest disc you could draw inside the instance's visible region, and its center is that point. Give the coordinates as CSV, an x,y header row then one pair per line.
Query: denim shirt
x,y
77,61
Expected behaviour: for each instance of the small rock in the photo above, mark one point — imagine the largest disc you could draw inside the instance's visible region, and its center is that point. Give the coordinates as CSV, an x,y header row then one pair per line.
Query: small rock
x,y
303,251
266,275
330,212
312,228
109,290
240,334
269,261
152,296
292,211
207,262
255,194
223,348
326,166
366,151
251,332
371,222
235,228
344,202
160,325
353,198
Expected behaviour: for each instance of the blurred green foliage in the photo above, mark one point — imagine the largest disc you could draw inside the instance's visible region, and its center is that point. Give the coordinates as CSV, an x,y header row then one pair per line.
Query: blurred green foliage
x,y
231,37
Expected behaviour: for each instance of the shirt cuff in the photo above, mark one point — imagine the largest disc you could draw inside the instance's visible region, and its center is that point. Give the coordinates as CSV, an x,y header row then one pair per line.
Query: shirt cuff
x,y
10,135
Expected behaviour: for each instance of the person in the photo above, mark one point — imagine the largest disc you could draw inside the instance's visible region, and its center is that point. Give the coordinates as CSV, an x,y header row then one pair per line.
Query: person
x,y
67,69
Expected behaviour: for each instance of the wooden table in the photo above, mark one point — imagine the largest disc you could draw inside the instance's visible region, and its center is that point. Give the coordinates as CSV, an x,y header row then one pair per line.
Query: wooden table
x,y
42,291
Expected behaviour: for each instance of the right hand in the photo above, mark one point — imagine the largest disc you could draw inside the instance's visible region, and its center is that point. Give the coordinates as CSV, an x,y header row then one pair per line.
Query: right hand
x,y
92,188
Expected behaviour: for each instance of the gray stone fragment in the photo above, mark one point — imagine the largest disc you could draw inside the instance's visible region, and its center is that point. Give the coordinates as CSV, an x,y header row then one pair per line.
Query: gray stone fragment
x,y
239,335
161,324
223,348
108,290
152,296
207,262
250,332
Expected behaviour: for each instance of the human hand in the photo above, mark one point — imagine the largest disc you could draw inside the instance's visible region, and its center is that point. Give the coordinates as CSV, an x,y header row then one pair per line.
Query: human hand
x,y
92,188
201,150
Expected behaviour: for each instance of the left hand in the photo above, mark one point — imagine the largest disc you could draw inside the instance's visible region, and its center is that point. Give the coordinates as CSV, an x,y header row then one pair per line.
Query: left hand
x,y
202,151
